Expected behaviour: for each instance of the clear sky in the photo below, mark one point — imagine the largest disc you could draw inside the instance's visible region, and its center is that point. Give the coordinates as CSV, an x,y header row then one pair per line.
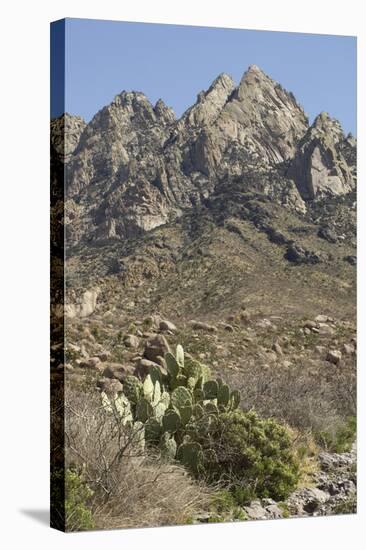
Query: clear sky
x,y
175,62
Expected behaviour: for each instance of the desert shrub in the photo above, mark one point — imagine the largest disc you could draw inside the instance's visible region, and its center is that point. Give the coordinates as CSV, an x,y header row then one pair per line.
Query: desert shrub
x,y
252,456
340,437
306,396
78,516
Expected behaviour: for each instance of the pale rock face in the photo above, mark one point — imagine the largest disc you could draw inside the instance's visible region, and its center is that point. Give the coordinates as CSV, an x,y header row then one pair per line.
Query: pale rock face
x,y
65,135
264,116
319,168
85,306
210,103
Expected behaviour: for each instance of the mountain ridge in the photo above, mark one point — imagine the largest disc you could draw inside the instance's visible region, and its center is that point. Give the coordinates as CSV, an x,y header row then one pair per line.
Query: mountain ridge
x,y
135,166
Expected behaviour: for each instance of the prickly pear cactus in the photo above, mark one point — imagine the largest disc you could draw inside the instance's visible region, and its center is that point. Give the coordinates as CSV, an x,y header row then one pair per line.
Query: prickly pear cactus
x,y
223,395
172,365
171,421
198,395
211,408
210,389
120,405
186,412
180,356
181,397
148,388
144,410
153,430
179,407
132,388
155,374
156,394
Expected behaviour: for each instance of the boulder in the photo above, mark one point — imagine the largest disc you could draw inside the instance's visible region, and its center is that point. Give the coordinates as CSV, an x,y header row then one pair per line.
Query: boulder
x,y
255,510
167,326
103,355
118,371
199,325
309,324
273,511
348,349
334,356
322,319
277,348
325,330
144,365
264,323
351,259
328,234
306,501
110,386
131,341
226,326
84,306
297,254
93,363
156,346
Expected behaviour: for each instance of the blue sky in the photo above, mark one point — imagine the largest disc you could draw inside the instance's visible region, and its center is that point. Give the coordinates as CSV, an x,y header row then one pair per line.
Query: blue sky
x,y
176,62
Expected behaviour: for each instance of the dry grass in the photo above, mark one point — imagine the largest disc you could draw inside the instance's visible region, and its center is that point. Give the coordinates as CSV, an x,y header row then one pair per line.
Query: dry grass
x,y
304,395
132,487
150,495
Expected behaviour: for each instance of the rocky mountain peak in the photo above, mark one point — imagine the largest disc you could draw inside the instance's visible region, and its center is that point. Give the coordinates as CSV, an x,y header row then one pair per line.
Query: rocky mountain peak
x,y
253,76
164,112
319,167
223,82
210,102
263,118
325,127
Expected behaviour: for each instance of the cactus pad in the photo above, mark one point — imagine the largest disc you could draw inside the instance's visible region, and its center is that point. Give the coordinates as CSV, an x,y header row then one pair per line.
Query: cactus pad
x,y
180,356
144,410
132,388
172,365
223,395
171,421
210,389
152,430
234,400
181,397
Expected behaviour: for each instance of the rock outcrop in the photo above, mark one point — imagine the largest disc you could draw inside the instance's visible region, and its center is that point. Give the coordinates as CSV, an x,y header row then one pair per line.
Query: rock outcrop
x,y
65,135
319,167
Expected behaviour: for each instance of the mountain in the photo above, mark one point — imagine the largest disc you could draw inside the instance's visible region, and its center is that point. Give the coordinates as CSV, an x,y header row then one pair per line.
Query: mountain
x,y
135,166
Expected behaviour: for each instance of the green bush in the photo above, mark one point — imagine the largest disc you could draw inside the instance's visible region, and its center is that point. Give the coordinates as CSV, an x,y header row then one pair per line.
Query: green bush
x,y
251,455
78,517
340,439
